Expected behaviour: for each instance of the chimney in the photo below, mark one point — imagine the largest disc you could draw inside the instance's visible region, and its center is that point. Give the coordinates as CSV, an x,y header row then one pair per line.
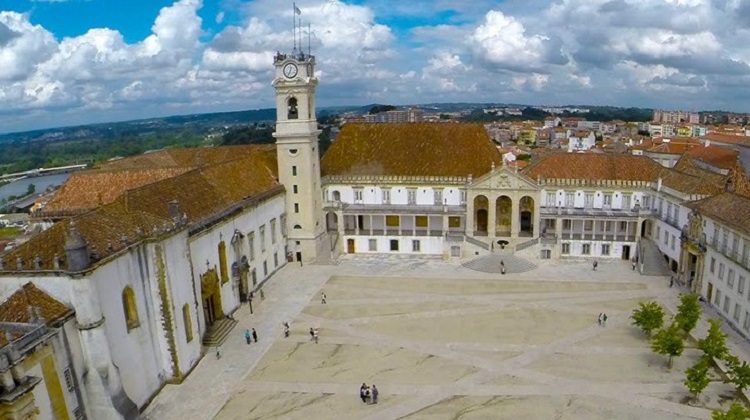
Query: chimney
x,y
37,263
56,262
658,185
174,210
76,250
19,264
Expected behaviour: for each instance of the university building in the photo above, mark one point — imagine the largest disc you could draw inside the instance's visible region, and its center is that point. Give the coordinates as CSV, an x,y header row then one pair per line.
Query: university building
x,y
145,258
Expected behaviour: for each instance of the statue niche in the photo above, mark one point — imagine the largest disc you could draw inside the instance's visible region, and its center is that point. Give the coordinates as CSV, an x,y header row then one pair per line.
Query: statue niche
x,y
292,112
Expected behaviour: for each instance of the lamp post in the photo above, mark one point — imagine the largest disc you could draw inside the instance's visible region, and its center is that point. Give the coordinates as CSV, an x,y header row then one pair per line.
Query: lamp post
x,y
250,301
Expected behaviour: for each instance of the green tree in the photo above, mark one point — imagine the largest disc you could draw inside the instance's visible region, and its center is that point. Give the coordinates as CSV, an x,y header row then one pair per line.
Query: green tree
x,y
668,342
688,312
31,189
648,317
736,412
696,378
739,373
715,343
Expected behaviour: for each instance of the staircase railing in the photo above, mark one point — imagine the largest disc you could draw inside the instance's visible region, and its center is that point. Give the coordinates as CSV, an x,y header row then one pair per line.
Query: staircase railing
x,y
527,244
334,237
478,243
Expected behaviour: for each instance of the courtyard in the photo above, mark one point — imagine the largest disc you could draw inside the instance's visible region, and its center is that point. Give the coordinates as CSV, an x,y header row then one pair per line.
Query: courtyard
x,y
444,342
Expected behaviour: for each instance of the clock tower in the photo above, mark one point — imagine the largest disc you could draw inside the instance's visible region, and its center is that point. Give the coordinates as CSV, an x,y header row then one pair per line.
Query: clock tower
x,y
298,154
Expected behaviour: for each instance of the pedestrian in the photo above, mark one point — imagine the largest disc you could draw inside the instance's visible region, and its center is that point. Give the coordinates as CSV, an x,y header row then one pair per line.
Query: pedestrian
x,y
600,318
255,336
595,264
375,393
633,264
671,281
323,298
286,329
362,392
247,336
604,320
502,267
312,334
315,335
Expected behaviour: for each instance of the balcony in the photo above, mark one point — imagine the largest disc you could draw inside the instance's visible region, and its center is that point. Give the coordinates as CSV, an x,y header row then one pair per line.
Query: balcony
x,y
404,232
418,209
605,237
592,212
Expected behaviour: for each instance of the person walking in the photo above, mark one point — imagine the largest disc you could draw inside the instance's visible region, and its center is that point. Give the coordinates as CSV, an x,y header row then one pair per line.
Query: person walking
x,y
604,320
600,318
671,281
375,393
315,335
323,298
633,264
286,329
255,336
362,392
247,336
312,334
502,267
595,264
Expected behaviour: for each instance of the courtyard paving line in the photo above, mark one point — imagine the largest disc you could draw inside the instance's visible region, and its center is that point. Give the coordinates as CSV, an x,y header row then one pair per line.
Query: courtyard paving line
x,y
205,391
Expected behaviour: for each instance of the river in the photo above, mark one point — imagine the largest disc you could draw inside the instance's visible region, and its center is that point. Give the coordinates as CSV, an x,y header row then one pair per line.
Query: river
x,y
41,182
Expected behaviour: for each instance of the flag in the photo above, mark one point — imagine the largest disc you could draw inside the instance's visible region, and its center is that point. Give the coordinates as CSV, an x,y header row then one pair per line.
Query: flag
x,y
296,9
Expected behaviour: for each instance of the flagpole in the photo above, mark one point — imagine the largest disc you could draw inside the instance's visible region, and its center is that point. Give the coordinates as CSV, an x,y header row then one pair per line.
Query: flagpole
x,y
309,49
294,25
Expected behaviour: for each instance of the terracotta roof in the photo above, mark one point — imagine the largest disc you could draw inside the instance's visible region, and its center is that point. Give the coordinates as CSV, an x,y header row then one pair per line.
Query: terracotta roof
x,y
142,212
727,139
189,157
593,166
89,189
16,306
720,157
413,149
727,208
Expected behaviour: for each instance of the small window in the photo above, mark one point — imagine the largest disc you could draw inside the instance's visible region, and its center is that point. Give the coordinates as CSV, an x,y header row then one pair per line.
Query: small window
x,y
746,323
251,244
420,221
294,189
186,319
717,299
297,227
605,249
263,238
454,221
224,271
130,308
586,249
721,271
736,315
294,171
391,221
265,269
372,245
730,279
394,244
455,250
566,249
567,223
415,246
69,383
275,259
713,264
546,254
296,207
273,231
293,152
741,285
726,305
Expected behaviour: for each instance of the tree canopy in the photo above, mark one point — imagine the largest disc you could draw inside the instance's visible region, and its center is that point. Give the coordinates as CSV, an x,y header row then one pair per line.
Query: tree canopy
x,y
649,316
668,342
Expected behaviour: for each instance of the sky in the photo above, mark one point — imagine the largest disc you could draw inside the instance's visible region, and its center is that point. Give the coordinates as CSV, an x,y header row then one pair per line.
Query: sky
x,y
70,62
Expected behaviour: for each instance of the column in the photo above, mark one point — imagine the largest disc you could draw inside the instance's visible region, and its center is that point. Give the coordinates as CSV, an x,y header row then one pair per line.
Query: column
x,y
469,228
492,216
445,224
370,230
515,222
558,228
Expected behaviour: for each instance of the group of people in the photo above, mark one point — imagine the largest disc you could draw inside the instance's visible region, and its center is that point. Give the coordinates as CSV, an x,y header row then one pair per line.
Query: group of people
x,y
368,395
314,335
251,336
602,319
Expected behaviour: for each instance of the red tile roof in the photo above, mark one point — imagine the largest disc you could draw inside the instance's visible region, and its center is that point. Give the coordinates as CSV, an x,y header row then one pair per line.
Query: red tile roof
x,y
29,299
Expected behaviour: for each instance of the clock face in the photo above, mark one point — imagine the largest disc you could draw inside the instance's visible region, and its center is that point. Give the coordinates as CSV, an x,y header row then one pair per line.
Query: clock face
x,y
290,70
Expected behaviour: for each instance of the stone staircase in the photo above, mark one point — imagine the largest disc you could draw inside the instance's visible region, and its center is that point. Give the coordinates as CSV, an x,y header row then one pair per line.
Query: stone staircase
x,y
218,332
651,259
491,263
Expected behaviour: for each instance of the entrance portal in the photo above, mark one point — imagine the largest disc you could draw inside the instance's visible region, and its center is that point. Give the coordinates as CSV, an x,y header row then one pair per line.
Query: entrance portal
x,y
626,252
211,296
350,246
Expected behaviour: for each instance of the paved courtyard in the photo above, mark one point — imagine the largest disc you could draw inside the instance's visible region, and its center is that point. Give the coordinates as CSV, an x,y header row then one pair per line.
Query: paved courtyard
x,y
442,341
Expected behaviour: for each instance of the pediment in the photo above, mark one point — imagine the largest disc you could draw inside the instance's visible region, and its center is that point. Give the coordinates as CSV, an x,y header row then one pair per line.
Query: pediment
x,y
504,179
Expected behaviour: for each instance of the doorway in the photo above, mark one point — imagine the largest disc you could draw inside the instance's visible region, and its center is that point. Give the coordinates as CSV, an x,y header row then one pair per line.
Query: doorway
x,y
350,246
710,292
482,221
626,252
298,255
211,297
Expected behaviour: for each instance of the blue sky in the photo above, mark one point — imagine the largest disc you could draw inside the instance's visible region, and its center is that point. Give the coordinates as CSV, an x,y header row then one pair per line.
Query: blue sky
x,y
67,62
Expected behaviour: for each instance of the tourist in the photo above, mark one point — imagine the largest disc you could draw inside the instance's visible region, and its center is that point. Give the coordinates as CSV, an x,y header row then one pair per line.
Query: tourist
x,y
323,298
671,281
247,336
255,336
633,264
502,267
375,393
604,320
600,318
315,335
312,334
363,392
595,264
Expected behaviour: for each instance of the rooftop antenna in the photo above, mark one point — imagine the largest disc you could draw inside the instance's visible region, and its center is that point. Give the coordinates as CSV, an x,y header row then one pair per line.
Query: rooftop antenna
x,y
309,49
296,12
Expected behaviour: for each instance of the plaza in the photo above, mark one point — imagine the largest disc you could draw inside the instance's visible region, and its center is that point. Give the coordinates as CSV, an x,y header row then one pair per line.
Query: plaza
x,y
443,341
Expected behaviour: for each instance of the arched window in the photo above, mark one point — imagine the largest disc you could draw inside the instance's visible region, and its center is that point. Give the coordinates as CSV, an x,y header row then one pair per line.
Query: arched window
x,y
336,196
188,322
292,112
223,262
297,227
130,308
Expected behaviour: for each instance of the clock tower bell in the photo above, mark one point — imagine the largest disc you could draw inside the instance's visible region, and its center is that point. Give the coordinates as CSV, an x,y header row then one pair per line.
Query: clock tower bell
x,y
298,154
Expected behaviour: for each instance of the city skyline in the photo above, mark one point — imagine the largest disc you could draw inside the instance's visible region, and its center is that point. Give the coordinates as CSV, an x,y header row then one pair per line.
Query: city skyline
x,y
69,62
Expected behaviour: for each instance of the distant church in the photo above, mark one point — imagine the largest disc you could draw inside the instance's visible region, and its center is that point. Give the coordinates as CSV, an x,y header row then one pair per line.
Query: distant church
x,y
150,254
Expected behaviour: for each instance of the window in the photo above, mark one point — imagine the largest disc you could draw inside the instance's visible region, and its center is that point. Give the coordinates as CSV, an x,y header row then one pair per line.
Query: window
x,y
68,374
588,224
292,111
607,200
294,189
223,270
273,231
566,249
608,226
263,238
275,259
567,223
741,285
463,197
78,414
282,222
626,202
713,264
130,308
717,299
386,196
358,194
586,249
265,269
412,195
569,199
589,200
605,249
454,221
372,245
666,237
736,314
725,308
746,323
420,221
251,244
296,207
455,250
394,244
188,322
546,254
672,242
391,221
415,246
294,171
730,278
550,199
721,271
646,201
623,226
438,197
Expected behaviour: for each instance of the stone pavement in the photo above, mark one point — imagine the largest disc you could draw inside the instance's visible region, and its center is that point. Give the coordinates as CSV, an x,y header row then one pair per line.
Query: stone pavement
x,y
214,382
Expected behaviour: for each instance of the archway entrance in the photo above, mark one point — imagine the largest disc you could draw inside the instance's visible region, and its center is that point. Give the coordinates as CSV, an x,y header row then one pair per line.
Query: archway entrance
x,y
645,228
526,207
211,296
481,207
504,215
332,222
